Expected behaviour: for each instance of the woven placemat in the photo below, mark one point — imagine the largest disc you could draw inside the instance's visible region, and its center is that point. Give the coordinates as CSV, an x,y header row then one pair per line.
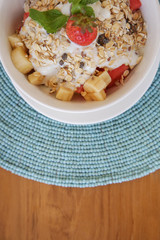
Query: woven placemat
x,y
38,148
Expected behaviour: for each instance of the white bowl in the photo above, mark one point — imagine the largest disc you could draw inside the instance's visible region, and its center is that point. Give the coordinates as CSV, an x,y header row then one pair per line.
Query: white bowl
x,y
81,112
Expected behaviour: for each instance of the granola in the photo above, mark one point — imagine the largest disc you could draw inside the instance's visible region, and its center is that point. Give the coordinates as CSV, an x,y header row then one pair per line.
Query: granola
x,y
121,39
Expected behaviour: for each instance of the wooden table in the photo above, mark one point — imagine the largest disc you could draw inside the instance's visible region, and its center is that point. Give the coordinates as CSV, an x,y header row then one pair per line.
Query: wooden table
x,y
34,211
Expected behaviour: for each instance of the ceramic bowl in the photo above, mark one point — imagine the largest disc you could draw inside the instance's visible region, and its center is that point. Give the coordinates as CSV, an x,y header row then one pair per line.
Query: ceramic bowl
x,y
81,112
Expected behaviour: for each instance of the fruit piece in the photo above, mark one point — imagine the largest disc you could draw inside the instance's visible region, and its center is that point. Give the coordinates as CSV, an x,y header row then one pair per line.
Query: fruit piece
x,y
81,64
98,96
15,41
61,62
116,74
35,78
64,94
105,77
25,16
99,71
96,84
80,89
64,56
20,60
81,29
135,4
102,39
87,96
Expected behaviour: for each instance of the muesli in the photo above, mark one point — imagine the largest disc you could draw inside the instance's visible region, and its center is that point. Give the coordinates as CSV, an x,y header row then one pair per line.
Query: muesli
x,y
79,46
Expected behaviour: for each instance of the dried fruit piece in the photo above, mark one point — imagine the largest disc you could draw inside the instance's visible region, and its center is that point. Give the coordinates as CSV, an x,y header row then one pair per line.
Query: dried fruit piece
x,y
64,56
61,62
81,65
102,39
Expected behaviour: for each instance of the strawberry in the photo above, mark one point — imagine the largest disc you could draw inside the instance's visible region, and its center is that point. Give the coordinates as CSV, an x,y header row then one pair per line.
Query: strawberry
x,y
135,4
25,16
116,74
80,89
81,29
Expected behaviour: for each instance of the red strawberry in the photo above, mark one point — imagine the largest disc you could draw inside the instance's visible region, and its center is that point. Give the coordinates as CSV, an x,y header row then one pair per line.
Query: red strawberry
x,y
81,29
80,89
135,4
116,74
25,16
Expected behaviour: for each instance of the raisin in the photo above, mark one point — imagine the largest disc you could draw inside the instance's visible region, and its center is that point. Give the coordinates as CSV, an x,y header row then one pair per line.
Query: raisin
x,y
81,65
102,40
83,54
133,28
64,56
61,62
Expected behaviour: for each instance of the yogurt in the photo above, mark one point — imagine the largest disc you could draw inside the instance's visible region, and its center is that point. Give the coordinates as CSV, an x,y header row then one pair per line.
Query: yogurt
x,y
50,66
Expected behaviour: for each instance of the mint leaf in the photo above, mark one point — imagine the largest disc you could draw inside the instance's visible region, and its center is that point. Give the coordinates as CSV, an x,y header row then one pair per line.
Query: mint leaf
x,y
85,2
52,20
80,8
88,11
74,1
76,8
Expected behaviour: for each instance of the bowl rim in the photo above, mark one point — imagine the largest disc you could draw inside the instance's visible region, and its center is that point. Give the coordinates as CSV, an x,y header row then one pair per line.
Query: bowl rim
x,y
92,117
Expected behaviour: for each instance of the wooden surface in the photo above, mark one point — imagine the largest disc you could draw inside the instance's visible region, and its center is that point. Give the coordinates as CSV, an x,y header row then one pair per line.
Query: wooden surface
x,y
35,211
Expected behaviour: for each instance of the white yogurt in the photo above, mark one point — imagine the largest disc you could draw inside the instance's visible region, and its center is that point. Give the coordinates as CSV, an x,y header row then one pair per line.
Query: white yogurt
x,y
100,13
51,68
64,8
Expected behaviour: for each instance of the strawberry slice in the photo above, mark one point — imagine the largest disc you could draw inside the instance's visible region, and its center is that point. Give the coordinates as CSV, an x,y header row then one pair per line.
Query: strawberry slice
x,y
25,16
116,74
80,89
81,29
135,4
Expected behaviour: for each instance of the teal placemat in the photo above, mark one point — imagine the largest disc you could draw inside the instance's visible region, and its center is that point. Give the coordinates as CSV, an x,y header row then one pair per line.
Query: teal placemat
x,y
38,148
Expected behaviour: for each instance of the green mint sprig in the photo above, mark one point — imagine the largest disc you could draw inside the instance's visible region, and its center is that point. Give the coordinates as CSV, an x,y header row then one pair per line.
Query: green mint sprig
x,y
52,20
85,2
80,6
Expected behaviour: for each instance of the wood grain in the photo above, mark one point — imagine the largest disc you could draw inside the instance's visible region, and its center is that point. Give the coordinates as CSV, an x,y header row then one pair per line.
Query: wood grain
x,y
34,211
